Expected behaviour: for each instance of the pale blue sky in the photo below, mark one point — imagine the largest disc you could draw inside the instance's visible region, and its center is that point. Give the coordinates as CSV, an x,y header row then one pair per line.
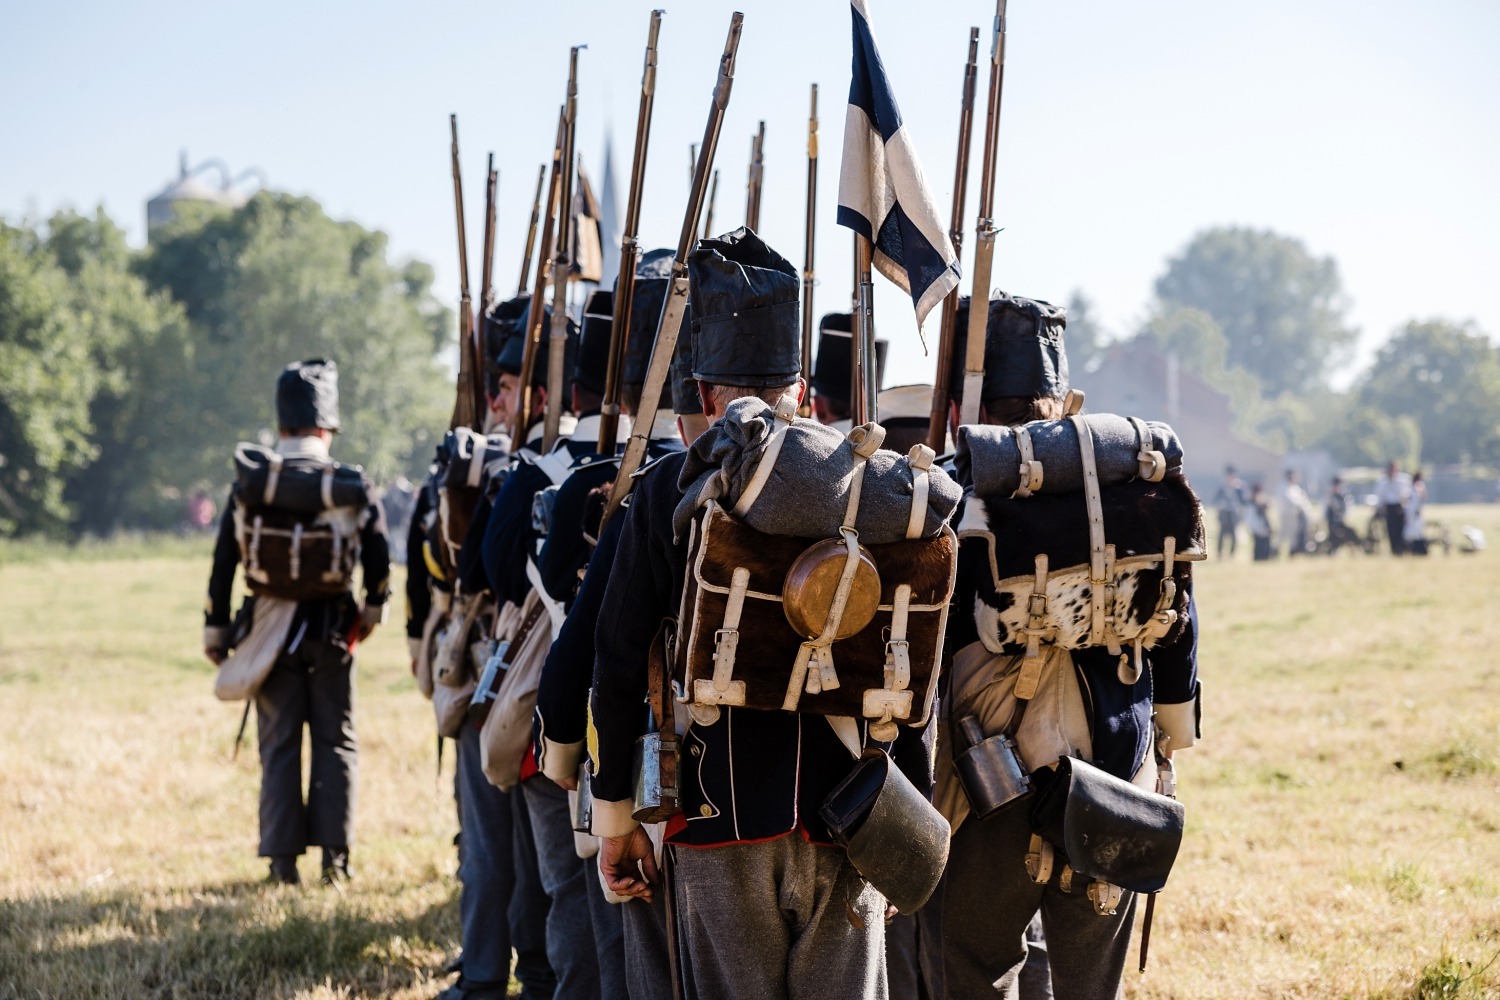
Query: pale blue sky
x,y
1367,129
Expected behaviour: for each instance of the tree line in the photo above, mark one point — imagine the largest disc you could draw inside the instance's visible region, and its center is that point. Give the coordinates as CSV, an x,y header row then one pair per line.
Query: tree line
x,y
126,376
1260,317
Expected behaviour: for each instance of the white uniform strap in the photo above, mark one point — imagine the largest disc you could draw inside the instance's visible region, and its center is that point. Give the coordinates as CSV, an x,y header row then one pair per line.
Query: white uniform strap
x,y
920,458
1151,464
820,649
554,608
476,461
1031,470
786,412
556,464
273,476
1097,575
326,486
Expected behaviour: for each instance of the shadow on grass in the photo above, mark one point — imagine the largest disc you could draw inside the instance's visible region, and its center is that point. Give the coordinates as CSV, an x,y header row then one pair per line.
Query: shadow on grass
x,y
241,939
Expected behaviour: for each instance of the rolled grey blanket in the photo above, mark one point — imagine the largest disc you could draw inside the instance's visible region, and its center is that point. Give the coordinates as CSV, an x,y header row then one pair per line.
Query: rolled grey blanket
x,y
807,492
988,459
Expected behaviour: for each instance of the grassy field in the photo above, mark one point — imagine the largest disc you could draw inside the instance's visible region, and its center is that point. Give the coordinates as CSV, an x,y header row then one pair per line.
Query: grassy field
x,y
1344,808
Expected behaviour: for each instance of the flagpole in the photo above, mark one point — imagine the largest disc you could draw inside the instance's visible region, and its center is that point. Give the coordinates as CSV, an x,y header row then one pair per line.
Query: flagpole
x,y
865,409
807,260
937,425
984,230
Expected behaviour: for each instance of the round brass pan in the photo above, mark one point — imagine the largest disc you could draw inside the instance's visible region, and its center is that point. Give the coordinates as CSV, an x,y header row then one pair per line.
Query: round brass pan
x,y
812,580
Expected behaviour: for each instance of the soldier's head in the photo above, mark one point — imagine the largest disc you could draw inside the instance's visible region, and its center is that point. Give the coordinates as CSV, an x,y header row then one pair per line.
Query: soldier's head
x,y
653,279
307,399
1025,362
501,322
591,363
746,329
509,362
832,370
905,412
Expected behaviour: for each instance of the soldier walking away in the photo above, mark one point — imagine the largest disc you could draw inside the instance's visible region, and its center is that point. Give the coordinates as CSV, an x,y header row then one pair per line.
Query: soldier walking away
x,y
832,371
767,904
1049,697
299,521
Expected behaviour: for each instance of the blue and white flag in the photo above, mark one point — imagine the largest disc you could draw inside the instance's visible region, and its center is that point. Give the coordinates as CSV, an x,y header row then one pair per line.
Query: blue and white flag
x,y
883,195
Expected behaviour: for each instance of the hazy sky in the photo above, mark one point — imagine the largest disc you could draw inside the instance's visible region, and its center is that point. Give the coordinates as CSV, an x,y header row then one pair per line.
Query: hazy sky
x,y
1368,129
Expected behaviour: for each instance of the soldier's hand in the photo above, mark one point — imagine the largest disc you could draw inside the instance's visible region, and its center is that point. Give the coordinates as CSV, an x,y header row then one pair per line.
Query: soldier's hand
x,y
624,860
215,655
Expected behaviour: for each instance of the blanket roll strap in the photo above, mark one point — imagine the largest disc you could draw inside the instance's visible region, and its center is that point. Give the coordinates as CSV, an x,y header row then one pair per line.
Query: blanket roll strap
x,y
990,457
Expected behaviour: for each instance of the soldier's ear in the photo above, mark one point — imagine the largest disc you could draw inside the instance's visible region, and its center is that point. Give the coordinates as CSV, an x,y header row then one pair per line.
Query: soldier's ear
x,y
801,389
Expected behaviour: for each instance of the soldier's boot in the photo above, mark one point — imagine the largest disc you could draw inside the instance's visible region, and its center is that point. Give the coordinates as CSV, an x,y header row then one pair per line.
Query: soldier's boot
x,y
284,870
336,866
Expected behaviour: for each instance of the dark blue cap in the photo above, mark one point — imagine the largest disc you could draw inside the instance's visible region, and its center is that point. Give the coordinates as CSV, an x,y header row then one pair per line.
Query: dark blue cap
x,y
746,326
591,365
653,279
307,395
831,369
1024,352
511,355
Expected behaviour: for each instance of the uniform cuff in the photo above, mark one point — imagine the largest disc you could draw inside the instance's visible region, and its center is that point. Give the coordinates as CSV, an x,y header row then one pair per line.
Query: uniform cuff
x,y
216,637
374,614
414,646
1179,724
613,819
559,761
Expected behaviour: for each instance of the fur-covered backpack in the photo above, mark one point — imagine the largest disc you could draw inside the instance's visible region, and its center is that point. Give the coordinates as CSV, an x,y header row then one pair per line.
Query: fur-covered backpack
x,y
298,522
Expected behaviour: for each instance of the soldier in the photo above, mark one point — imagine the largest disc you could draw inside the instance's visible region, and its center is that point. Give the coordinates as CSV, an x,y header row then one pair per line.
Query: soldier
x,y
833,369
998,875
768,905
502,906
518,526
294,511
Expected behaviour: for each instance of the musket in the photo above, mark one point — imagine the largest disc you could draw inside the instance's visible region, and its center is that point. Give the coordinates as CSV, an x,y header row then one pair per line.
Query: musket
x,y
630,248
536,214
807,258
713,196
561,263
757,171
486,285
533,330
984,230
670,323
937,425
468,400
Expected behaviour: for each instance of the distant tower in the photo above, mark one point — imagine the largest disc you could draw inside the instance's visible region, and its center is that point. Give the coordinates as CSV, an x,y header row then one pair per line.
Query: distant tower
x,y
163,208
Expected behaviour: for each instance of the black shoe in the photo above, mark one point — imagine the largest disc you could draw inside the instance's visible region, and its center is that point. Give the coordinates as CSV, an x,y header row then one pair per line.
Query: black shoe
x,y
284,870
454,964
472,991
336,866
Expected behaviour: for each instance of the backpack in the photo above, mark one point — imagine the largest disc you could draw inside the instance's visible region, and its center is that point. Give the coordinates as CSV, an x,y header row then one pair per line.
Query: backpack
x,y
297,523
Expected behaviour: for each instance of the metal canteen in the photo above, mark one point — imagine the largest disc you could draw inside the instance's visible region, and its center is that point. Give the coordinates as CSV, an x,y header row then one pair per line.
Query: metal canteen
x,y
655,801
583,810
808,591
990,770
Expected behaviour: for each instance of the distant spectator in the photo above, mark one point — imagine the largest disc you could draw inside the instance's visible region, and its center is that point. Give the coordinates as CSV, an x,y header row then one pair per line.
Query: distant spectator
x,y
1391,492
201,511
1292,510
1414,524
1230,503
397,501
1258,518
1336,511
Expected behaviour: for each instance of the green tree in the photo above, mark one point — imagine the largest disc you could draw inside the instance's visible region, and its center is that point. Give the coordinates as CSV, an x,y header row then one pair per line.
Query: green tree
x,y
1281,309
1445,376
277,281
46,383
138,345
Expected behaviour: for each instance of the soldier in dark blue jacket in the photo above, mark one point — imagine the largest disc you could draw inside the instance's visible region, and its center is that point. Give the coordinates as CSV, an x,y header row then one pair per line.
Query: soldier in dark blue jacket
x,y
1084,706
764,897
311,684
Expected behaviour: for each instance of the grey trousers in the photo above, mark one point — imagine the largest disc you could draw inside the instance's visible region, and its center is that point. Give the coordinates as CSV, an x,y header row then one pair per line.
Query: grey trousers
x,y
501,904
902,967
647,967
568,882
608,920
988,903
311,686
778,920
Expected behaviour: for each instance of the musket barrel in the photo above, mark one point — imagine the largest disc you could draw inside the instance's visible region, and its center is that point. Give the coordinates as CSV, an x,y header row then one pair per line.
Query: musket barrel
x,y
536,214
464,412
808,273
533,331
937,425
486,295
630,248
984,230
676,305
561,265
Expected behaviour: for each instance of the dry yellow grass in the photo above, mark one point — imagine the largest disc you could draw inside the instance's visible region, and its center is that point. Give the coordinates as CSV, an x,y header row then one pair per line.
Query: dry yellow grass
x,y
1344,808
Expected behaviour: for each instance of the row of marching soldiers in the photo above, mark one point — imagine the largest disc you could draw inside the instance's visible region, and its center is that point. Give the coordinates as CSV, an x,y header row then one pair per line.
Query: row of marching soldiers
x,y
814,712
